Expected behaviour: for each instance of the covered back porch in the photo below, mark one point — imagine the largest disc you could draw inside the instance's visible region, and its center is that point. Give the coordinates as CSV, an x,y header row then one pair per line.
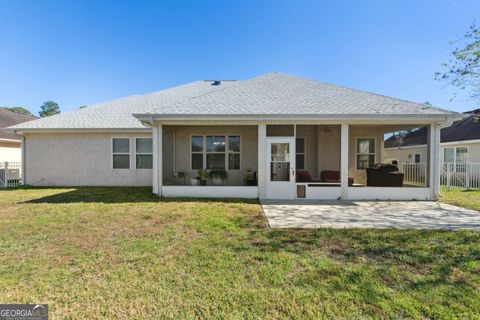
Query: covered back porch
x,y
283,160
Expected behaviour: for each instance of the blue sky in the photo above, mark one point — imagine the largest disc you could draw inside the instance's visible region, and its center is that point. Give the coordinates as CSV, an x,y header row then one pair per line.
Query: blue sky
x,y
85,52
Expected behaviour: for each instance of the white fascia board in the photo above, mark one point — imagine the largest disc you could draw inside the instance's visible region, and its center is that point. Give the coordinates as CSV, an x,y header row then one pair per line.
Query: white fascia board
x,y
452,143
48,130
427,118
11,140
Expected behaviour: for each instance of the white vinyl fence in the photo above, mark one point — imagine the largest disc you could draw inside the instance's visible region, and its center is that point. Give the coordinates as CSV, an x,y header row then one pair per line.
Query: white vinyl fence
x,y
452,175
10,174
464,175
414,173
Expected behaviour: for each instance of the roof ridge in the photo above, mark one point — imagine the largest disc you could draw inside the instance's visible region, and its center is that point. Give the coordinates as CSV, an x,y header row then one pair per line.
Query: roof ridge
x,y
360,90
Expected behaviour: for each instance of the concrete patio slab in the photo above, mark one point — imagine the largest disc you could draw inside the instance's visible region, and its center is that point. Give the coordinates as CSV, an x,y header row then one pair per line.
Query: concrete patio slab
x,y
369,214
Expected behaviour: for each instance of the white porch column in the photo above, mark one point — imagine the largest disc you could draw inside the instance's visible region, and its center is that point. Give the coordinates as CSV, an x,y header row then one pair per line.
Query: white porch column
x,y
261,166
434,160
157,168
24,161
344,161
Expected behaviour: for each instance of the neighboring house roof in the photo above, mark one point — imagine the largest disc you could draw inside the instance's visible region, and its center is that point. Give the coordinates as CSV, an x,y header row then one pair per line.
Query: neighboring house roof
x,y
9,118
461,130
272,94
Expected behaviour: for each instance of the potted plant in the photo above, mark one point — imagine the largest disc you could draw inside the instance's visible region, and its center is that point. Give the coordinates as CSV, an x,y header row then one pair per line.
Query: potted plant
x,y
203,176
218,176
195,180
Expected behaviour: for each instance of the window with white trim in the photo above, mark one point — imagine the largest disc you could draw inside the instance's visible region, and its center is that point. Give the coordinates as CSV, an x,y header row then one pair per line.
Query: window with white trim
x,y
143,153
215,152
300,153
121,153
365,152
456,155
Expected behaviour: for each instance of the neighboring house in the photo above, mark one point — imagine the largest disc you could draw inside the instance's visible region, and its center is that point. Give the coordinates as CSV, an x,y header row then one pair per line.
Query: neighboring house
x,y
261,131
459,143
10,143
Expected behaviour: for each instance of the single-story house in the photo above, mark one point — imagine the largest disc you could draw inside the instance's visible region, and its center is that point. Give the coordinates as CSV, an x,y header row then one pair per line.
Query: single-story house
x,y
275,136
459,143
10,143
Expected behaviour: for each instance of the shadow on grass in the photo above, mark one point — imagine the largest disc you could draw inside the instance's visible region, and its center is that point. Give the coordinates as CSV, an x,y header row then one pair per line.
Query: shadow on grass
x,y
116,195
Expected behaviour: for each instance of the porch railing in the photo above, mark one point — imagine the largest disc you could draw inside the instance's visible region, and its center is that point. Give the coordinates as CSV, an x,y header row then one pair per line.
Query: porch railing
x,y
414,173
463,175
10,174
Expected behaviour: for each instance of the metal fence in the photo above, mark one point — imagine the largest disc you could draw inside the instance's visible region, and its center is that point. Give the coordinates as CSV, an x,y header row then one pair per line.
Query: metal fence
x,y
10,174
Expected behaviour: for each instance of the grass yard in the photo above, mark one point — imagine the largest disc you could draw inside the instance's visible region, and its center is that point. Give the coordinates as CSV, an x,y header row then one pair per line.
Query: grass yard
x,y
469,199
121,253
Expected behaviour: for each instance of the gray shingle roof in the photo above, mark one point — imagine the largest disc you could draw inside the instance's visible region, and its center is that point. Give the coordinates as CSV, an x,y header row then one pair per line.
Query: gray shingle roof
x,y
282,94
117,114
9,118
269,94
461,130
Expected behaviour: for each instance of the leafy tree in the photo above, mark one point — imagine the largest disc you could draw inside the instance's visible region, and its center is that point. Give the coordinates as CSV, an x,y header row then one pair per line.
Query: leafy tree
x,y
463,68
20,110
49,108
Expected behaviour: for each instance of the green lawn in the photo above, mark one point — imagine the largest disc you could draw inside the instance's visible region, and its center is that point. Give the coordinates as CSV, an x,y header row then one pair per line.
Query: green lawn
x,y
469,199
121,253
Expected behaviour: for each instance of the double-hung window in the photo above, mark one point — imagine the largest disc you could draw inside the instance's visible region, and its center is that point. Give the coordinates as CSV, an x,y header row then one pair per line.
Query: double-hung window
x,y
121,153
300,153
456,155
143,150
365,152
215,152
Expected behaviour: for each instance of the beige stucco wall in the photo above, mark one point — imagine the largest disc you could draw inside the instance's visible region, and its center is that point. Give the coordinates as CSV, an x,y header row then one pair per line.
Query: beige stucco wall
x,y
10,152
80,159
406,155
473,151
182,134
328,148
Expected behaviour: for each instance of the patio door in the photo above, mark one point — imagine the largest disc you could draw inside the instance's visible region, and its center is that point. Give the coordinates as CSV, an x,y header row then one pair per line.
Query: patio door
x,y
281,168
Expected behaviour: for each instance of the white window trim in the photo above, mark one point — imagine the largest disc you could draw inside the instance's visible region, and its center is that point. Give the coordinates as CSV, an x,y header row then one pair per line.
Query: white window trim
x,y
304,152
204,151
455,155
357,153
142,153
121,153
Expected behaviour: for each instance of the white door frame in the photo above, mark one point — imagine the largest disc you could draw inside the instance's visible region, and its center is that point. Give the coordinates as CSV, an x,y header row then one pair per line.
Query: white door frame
x,y
280,189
